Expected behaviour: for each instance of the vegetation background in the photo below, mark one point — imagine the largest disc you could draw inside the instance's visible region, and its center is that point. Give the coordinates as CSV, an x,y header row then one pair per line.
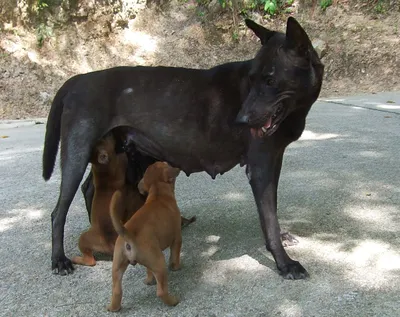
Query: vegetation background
x,y
44,42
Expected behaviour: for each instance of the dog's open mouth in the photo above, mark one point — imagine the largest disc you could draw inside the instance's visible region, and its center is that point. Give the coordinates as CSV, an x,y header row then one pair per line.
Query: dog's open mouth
x,y
270,123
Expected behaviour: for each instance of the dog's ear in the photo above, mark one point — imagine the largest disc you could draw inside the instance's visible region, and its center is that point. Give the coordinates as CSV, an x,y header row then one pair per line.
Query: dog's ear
x,y
262,33
142,188
296,38
170,174
102,157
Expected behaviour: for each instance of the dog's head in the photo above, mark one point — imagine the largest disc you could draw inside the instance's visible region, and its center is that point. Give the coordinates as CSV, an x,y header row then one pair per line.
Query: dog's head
x,y
104,151
286,74
159,172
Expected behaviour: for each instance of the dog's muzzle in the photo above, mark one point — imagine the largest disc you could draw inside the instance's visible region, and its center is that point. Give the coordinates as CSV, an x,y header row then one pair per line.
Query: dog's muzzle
x,y
242,119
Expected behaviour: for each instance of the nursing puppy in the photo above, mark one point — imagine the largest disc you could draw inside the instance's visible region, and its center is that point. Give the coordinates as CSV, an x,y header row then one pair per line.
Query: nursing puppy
x,y
109,169
153,228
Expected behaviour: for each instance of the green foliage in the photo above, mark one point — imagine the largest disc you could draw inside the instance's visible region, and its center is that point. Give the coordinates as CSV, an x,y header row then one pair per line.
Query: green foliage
x,y
325,3
270,7
379,7
42,33
40,6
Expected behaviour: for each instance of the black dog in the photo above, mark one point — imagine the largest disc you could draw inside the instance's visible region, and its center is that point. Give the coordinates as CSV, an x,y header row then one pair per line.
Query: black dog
x,y
197,120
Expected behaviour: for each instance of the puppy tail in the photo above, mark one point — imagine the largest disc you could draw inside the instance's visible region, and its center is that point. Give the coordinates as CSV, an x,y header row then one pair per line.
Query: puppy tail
x,y
53,130
117,207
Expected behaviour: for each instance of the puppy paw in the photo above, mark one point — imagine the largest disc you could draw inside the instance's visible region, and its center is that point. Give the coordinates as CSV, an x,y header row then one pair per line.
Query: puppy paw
x,y
172,301
150,281
113,309
87,261
174,267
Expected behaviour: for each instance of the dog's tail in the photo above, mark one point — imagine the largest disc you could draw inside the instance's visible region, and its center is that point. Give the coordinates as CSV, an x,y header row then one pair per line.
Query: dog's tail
x,y
53,129
117,208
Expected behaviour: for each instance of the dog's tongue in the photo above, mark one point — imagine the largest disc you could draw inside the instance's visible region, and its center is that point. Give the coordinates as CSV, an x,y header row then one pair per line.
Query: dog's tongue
x,y
259,132
268,123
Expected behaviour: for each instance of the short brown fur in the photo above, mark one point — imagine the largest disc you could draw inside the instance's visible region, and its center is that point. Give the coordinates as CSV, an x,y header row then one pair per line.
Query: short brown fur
x,y
109,169
153,228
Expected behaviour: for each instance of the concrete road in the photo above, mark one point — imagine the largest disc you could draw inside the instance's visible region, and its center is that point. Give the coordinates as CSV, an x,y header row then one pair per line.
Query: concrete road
x,y
339,195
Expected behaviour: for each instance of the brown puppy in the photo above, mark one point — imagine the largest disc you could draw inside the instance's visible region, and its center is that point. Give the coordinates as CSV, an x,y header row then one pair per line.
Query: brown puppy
x,y
109,169
153,228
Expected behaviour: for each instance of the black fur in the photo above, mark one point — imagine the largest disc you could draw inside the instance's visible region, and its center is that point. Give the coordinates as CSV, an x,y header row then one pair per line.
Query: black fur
x,y
198,120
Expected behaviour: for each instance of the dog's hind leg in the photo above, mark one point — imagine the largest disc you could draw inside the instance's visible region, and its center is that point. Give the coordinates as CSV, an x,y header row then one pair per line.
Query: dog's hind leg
x,y
89,242
160,273
76,147
120,263
175,256
86,248
87,189
149,278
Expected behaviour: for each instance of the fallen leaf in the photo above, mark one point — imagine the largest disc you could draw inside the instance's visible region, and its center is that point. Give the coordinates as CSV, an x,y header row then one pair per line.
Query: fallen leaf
x,y
4,136
387,116
368,194
390,101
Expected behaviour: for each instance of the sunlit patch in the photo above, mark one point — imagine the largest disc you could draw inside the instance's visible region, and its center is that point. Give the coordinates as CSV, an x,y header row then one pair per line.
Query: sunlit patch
x,y
388,107
290,308
363,262
375,218
358,108
333,100
212,239
389,261
19,216
370,154
143,41
221,271
210,251
234,196
309,135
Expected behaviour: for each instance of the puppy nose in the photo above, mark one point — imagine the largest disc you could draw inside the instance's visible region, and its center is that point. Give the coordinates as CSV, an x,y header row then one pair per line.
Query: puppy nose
x,y
243,119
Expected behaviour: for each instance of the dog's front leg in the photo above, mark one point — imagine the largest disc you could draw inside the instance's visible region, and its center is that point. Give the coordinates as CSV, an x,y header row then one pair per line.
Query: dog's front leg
x,y
263,171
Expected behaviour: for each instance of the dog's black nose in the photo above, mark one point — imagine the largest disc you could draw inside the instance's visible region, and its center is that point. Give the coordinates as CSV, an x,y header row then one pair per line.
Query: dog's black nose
x,y
243,119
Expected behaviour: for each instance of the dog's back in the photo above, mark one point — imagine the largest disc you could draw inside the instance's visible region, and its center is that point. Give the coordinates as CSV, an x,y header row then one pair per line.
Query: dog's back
x,y
160,216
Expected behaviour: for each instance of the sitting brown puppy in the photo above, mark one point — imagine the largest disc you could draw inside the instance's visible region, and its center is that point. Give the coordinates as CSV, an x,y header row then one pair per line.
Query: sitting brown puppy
x,y
153,228
109,169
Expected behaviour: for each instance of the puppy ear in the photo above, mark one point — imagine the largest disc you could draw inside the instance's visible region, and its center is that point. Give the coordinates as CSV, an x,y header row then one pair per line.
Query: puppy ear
x,y
262,33
296,38
102,157
142,188
170,174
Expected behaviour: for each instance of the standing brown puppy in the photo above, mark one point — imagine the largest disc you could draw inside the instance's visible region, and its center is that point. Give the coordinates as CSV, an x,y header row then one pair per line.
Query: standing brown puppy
x,y
153,228
109,169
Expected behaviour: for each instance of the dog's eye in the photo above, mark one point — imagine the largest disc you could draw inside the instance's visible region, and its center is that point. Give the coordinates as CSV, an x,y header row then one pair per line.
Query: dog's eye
x,y
128,246
270,81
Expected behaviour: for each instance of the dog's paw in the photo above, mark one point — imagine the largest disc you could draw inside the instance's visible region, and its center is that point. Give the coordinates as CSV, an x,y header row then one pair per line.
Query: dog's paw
x,y
113,309
288,239
174,267
293,271
172,301
150,281
62,266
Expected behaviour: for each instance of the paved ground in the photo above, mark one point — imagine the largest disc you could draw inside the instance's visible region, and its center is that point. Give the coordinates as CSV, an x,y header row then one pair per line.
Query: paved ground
x,y
339,194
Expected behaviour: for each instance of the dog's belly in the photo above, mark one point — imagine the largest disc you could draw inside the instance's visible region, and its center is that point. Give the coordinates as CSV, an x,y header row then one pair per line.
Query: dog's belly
x,y
191,152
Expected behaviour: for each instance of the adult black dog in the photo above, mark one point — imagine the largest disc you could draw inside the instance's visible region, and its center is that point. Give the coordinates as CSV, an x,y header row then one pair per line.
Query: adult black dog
x,y
198,120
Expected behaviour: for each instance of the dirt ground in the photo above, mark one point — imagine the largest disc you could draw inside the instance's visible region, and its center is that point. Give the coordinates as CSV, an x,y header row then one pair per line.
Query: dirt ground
x,y
360,50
